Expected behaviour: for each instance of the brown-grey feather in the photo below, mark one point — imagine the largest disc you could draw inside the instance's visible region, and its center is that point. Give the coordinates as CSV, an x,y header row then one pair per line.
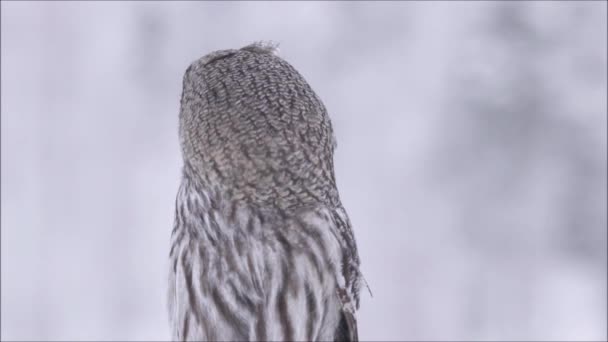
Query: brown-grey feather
x,y
259,229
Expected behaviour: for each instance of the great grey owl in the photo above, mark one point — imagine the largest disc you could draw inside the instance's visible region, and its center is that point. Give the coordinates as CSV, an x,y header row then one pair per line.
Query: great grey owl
x,y
262,248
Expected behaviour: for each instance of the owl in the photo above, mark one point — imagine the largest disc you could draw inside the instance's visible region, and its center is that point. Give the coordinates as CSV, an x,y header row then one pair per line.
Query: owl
x,y
261,248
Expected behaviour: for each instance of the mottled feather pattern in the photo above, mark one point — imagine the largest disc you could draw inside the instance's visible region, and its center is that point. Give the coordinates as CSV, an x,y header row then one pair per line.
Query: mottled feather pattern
x,y
261,248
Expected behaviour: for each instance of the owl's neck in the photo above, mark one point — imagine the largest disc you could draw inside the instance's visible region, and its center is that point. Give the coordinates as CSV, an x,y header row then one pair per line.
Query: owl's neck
x,y
280,192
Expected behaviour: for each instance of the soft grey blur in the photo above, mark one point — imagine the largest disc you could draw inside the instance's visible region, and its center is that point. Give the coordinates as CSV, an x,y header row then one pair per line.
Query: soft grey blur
x,y
471,158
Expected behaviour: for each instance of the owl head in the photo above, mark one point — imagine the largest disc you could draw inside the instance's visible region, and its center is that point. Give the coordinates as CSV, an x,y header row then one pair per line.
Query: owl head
x,y
252,127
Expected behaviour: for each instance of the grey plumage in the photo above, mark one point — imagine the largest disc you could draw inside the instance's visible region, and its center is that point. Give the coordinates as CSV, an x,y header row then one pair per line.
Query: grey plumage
x,y
262,248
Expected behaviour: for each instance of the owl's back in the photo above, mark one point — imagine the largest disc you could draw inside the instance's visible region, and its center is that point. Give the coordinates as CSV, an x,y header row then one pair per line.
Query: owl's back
x,y
238,274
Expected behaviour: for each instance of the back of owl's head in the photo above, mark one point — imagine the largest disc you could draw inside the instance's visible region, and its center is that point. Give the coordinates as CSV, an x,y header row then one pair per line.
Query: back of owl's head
x,y
250,122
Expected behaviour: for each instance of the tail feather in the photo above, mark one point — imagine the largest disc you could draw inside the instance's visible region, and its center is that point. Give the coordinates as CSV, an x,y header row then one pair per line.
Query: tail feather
x,y
347,328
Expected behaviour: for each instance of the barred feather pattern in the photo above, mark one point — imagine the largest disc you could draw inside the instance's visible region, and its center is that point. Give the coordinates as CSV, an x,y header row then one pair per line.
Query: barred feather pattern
x,y
261,247
240,274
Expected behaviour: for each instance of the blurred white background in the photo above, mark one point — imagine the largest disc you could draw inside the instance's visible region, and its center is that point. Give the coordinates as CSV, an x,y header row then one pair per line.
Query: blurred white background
x,y
471,158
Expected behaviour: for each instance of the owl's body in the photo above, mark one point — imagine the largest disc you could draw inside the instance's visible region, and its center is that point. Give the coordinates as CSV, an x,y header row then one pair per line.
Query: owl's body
x,y
262,248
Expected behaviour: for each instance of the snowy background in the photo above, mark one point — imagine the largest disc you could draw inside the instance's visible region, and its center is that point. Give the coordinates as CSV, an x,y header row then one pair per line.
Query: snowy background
x,y
471,158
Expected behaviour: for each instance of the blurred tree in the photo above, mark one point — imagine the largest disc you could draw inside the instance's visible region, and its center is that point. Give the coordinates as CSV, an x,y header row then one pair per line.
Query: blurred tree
x,y
518,157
